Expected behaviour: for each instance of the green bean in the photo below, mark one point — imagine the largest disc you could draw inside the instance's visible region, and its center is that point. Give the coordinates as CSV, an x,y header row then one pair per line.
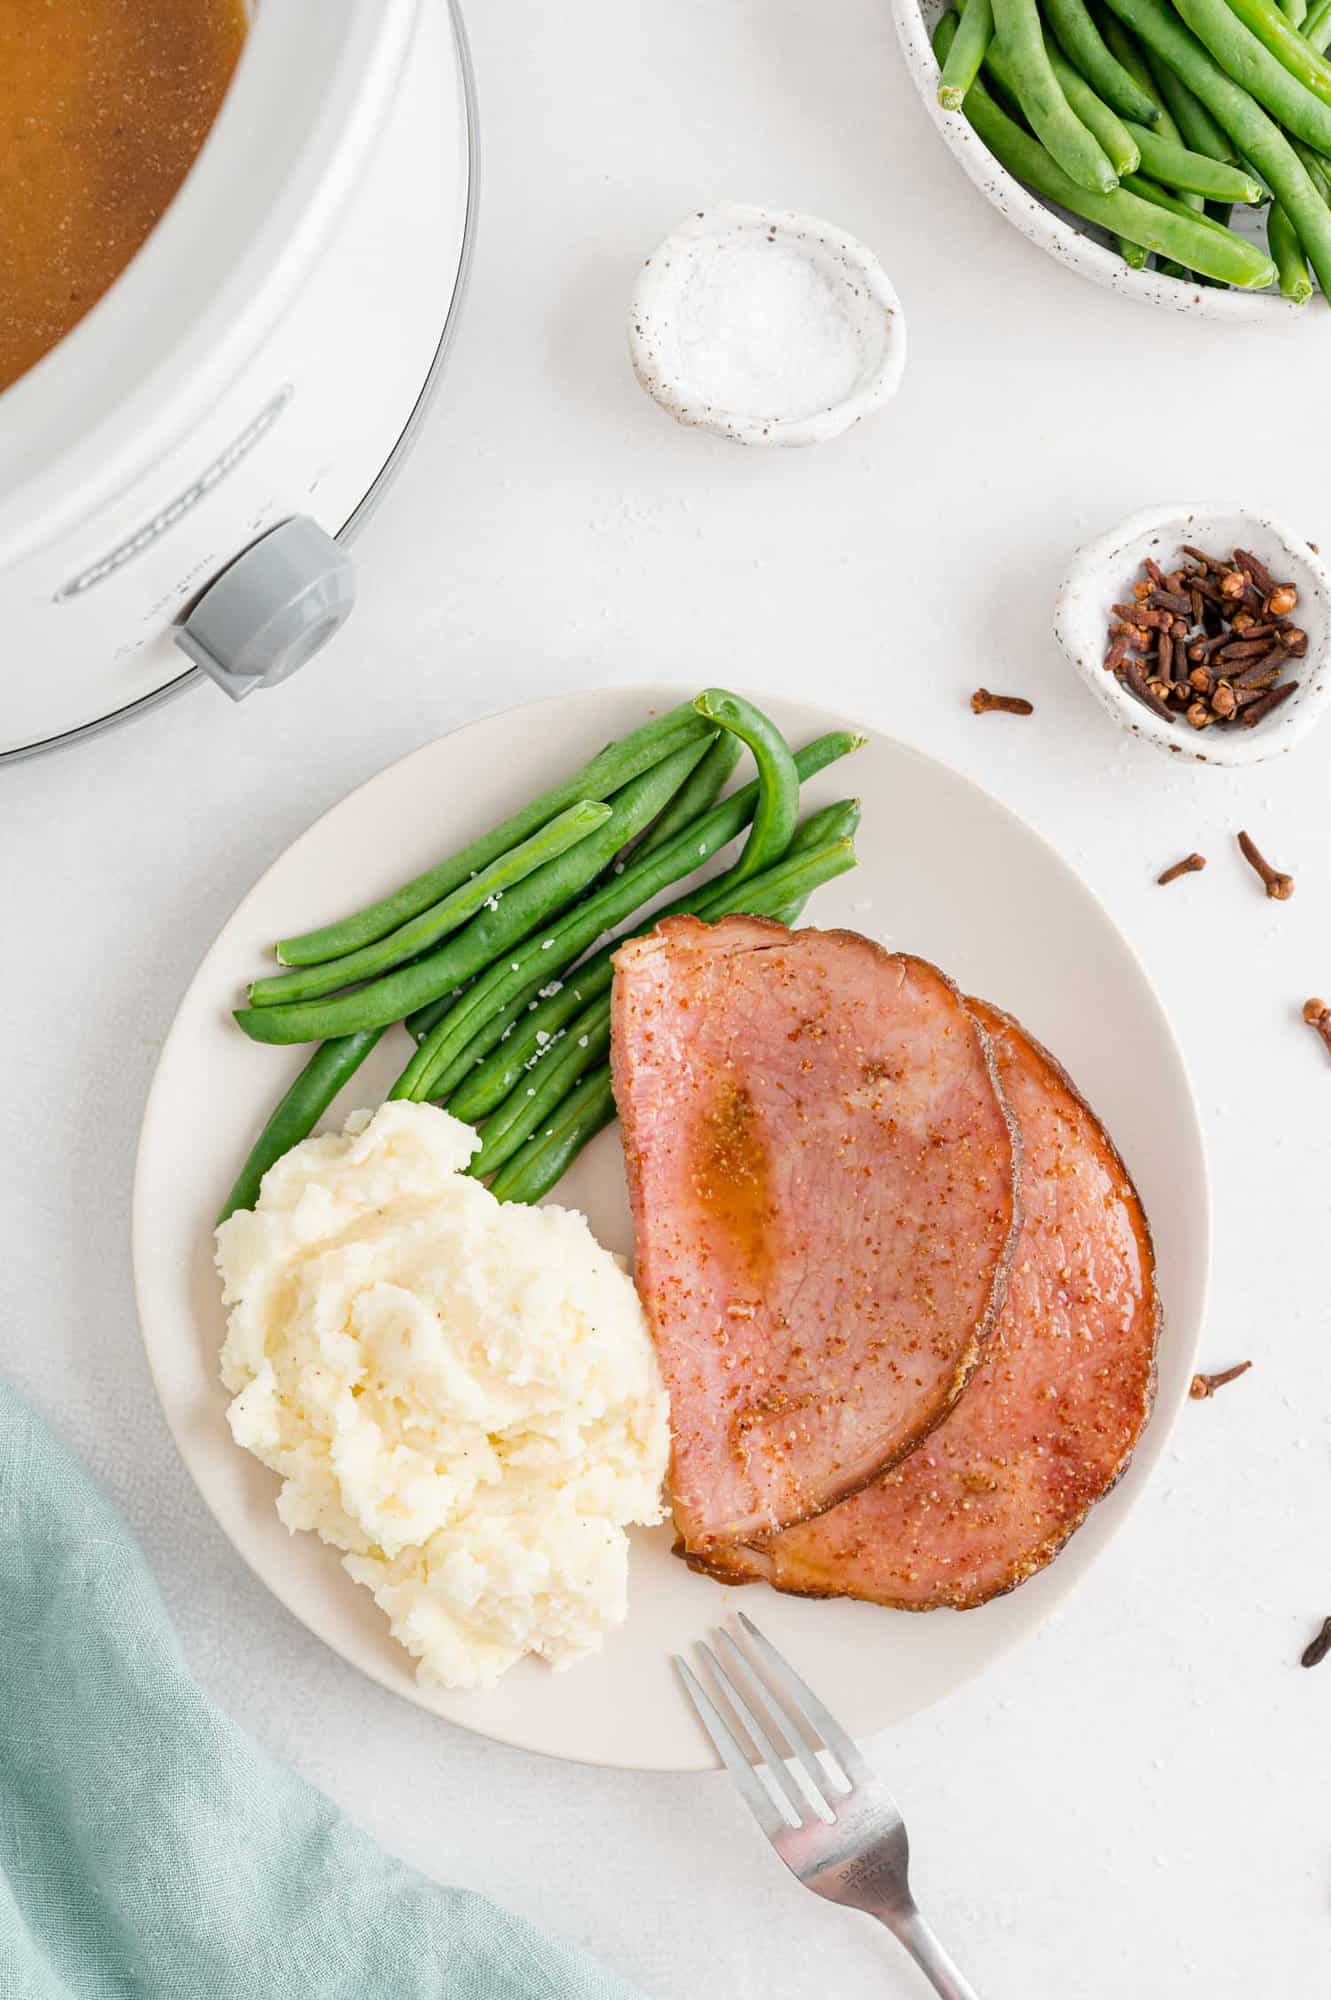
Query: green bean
x,y
485,1012
1179,167
331,1065
1251,65
587,1111
1085,48
1279,33
778,780
1120,147
1190,241
1194,122
1317,27
533,1171
1284,245
966,54
1075,150
702,788
1132,254
540,1089
536,900
481,1073
1317,169
1256,136
310,982
1177,204
1297,10
609,771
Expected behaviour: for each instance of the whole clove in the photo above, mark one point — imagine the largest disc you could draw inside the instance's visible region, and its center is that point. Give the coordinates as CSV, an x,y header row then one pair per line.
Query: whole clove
x,y
1318,1015
1189,865
1317,1647
1279,887
1203,1386
1207,642
984,703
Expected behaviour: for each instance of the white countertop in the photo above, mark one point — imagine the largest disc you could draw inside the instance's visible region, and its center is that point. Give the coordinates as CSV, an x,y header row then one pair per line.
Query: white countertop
x,y
1134,1805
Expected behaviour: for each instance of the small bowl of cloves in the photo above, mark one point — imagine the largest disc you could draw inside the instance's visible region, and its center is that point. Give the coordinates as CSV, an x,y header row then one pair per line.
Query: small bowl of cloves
x,y
1206,630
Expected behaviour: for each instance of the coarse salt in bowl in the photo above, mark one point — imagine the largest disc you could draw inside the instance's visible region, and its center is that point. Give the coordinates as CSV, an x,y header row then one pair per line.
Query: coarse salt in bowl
x,y
766,326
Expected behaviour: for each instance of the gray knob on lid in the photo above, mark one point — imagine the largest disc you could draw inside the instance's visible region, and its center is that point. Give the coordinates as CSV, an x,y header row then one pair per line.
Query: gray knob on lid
x,y
271,609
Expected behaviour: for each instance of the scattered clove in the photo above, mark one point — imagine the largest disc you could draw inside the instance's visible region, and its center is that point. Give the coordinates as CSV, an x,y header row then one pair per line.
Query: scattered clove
x,y
1317,1648
1189,865
984,703
1279,887
1206,1385
1206,642
1318,1015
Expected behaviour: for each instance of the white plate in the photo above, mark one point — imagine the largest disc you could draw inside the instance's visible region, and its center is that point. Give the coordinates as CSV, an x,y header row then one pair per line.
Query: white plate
x,y
1078,244
946,871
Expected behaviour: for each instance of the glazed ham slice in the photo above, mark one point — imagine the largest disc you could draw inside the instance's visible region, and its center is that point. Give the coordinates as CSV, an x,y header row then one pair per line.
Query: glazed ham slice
x,y
1051,1415
823,1179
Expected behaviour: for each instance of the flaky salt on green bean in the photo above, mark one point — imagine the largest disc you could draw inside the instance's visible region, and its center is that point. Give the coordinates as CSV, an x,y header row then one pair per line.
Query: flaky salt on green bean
x,y
533,1171
311,982
701,789
549,890
609,771
438,1063
488,1066
1257,137
1072,147
539,1089
1196,243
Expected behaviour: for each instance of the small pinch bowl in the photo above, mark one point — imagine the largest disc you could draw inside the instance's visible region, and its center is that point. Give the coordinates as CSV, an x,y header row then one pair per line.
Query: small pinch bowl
x,y
1102,574
850,270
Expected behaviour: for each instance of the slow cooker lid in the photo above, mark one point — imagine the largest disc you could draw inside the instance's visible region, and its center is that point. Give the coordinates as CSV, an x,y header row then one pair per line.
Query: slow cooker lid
x,y
283,157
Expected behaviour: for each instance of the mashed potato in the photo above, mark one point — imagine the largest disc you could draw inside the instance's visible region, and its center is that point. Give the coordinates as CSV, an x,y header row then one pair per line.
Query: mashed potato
x,y
460,1394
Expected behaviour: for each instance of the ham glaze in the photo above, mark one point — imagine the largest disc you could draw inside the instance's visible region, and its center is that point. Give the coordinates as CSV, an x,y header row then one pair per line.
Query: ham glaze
x,y
823,1175
1050,1417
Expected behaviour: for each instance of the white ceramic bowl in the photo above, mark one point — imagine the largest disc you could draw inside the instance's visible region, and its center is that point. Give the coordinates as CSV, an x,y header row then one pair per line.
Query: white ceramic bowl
x,y
663,342
1102,573
1078,244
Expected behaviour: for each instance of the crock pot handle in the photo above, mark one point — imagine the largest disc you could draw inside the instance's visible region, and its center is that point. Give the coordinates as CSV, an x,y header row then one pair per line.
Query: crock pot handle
x,y
272,609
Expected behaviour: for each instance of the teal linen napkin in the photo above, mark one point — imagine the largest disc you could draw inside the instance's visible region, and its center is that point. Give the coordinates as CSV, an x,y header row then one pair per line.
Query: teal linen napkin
x,y
146,1847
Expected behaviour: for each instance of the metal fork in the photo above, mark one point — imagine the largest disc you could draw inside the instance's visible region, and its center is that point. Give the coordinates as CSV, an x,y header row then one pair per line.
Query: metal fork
x,y
846,1841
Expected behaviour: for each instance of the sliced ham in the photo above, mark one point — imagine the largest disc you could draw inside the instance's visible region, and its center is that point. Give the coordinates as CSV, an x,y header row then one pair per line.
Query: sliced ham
x,y
823,1176
1051,1415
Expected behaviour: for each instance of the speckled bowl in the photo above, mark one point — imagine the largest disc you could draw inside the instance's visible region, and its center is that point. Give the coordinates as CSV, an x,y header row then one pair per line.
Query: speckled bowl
x,y
1103,570
854,278
1078,244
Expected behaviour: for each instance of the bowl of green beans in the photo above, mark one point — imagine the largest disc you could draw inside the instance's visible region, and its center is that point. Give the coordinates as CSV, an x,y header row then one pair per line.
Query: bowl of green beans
x,y
1177,151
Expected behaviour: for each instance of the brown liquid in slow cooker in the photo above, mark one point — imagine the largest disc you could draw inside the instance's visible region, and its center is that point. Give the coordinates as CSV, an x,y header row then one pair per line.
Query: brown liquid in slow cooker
x,y
103,106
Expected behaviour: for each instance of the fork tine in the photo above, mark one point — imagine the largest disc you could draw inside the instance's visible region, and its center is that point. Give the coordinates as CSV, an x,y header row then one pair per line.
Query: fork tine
x,y
759,1737
842,1746
762,1696
752,1789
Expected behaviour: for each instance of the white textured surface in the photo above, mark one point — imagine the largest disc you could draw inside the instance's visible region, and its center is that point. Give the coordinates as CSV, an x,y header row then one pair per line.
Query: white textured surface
x,y
1136,1804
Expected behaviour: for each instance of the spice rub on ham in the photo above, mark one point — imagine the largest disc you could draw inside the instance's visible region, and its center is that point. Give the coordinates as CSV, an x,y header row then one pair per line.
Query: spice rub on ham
x,y
1051,1415
823,1172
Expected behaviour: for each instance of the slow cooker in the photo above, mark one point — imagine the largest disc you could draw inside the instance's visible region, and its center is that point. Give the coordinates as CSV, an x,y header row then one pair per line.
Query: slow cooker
x,y
182,476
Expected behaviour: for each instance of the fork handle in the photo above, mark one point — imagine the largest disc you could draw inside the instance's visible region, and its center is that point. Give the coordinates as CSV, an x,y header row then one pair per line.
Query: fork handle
x,y
910,1930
